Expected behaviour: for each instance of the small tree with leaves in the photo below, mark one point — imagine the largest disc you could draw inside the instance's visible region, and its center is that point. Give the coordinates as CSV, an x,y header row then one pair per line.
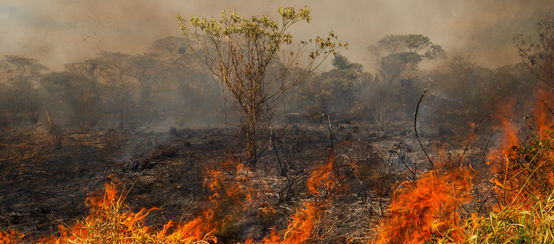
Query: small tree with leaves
x,y
240,51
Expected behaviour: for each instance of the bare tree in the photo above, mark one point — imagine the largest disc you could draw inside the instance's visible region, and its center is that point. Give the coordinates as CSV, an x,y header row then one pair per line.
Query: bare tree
x,y
239,51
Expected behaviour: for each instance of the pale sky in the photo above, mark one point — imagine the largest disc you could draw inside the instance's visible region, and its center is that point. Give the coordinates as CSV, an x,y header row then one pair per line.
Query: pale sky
x,y
63,31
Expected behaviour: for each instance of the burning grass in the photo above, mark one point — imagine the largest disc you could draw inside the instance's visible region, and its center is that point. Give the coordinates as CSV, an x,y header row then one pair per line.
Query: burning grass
x,y
426,209
516,223
11,236
430,209
438,207
110,220
525,197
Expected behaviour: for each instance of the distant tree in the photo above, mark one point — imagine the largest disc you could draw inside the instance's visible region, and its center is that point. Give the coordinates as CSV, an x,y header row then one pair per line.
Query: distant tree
x,y
21,76
464,93
117,79
398,57
239,51
335,91
342,63
396,54
72,99
184,89
538,53
170,47
144,69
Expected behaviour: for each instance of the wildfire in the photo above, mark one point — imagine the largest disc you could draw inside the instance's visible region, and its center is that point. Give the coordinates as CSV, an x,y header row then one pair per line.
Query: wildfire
x,y
544,121
111,221
322,178
299,229
509,137
426,209
11,236
515,167
303,222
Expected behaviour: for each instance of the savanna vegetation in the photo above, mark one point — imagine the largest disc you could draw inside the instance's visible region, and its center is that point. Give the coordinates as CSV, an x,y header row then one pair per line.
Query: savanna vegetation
x,y
236,133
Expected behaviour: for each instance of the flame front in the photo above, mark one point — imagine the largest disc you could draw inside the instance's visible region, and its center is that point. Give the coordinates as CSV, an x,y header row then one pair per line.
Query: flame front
x,y
111,221
425,210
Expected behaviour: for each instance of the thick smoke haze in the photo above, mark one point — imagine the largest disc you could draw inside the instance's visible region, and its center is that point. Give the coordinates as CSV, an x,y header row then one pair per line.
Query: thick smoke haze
x,y
429,102
57,32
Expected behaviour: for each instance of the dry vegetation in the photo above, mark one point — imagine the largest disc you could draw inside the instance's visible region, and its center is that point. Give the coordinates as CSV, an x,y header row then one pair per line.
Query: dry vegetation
x,y
343,160
429,209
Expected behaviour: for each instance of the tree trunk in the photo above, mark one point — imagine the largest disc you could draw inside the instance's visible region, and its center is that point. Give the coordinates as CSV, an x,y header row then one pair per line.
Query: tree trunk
x,y
250,137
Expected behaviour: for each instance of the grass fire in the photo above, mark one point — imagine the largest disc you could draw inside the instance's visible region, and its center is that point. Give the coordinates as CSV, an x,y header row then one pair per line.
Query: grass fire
x,y
276,122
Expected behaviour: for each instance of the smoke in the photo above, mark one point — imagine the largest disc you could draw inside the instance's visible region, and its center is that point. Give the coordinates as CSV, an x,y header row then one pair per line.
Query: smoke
x,y
64,31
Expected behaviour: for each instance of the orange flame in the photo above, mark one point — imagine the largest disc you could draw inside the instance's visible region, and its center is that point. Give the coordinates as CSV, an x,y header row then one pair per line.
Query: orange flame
x,y
111,221
302,223
543,120
300,228
508,138
322,178
510,176
424,210
231,196
11,236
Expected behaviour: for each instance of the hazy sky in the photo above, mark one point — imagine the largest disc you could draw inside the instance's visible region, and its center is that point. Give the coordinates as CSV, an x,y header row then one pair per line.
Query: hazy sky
x,y
63,31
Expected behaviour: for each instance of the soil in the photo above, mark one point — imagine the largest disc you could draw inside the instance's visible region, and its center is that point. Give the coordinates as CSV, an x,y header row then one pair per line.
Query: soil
x,y
44,183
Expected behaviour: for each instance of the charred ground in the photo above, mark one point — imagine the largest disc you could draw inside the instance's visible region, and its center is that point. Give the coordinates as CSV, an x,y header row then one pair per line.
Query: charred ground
x,y
157,123
45,184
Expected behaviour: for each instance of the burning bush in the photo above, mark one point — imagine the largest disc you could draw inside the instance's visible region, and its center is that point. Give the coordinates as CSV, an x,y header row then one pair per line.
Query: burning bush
x,y
527,174
525,190
426,209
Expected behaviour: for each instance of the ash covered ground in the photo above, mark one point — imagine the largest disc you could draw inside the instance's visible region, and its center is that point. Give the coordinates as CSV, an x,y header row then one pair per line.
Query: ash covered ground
x,y
45,183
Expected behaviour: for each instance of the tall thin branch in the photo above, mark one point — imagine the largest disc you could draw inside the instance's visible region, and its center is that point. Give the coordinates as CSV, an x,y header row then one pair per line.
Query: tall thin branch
x,y
415,125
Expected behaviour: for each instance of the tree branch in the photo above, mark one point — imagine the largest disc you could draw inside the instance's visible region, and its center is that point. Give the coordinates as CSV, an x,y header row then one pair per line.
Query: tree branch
x,y
415,125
